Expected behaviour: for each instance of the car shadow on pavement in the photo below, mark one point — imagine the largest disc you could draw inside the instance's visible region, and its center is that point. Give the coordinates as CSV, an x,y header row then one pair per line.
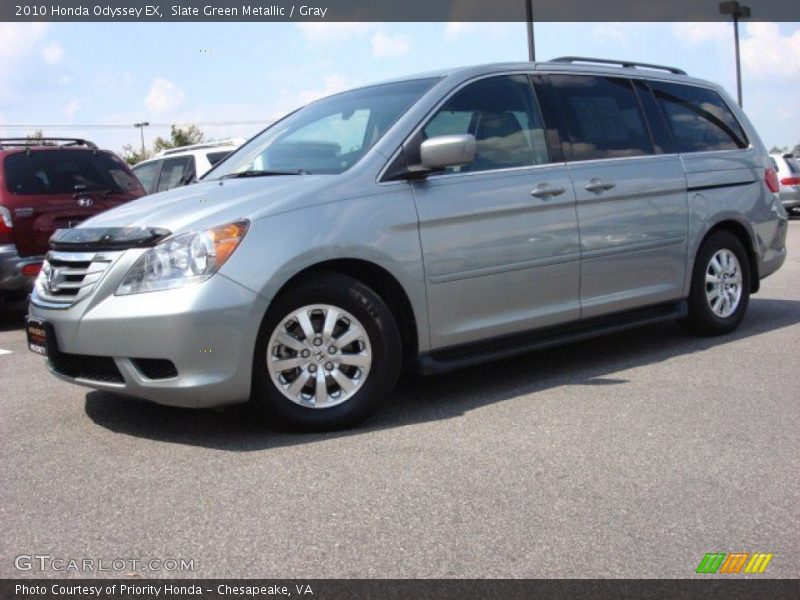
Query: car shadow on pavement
x,y
423,399
12,315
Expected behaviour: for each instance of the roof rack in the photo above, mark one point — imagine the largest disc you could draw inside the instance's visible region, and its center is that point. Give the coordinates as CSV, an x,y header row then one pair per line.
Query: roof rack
x,y
215,144
46,141
622,63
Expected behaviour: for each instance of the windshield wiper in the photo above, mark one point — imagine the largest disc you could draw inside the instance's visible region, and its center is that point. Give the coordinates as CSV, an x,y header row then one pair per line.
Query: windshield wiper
x,y
103,192
257,173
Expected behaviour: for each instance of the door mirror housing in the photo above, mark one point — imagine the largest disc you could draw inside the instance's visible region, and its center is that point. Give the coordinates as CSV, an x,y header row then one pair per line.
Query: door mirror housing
x,y
445,151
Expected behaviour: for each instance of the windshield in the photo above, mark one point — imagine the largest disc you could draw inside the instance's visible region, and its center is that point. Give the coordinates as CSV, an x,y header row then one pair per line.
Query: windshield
x,y
66,172
328,136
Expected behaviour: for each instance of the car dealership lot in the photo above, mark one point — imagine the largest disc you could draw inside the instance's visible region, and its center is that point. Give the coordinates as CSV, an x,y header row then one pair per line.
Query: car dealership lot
x,y
626,456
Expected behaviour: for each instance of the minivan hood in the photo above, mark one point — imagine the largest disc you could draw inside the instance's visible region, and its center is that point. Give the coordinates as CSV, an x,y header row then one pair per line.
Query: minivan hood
x,y
211,203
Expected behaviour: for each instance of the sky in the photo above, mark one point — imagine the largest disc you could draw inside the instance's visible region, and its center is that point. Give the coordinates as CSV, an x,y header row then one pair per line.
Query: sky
x,y
95,80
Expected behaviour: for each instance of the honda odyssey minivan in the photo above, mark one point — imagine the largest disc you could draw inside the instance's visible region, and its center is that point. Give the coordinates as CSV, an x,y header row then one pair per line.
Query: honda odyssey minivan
x,y
430,223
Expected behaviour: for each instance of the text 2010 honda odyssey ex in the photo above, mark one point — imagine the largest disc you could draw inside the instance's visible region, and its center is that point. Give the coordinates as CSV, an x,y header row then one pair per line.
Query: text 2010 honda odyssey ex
x,y
433,221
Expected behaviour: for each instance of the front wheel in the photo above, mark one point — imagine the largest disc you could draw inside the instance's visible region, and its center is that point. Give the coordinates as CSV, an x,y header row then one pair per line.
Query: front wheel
x,y
720,289
327,355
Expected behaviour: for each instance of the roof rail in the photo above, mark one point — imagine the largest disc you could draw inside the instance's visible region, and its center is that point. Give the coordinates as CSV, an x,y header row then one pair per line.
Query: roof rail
x,y
46,141
215,144
622,63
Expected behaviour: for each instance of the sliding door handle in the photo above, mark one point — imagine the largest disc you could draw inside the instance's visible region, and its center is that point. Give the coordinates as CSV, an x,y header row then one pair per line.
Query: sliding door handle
x,y
598,186
544,191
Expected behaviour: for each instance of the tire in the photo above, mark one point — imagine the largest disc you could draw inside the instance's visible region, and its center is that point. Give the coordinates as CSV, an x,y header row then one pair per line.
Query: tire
x,y
14,296
357,374
718,306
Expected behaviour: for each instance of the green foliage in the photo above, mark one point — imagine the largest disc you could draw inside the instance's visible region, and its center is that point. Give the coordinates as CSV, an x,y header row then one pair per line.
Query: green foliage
x,y
179,137
786,150
133,155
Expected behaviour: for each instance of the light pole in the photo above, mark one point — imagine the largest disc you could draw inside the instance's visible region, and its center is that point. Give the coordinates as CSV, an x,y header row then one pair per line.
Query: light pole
x,y
529,23
737,12
141,127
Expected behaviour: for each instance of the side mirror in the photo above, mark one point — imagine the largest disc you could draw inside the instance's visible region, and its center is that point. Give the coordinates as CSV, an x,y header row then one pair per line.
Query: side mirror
x,y
447,151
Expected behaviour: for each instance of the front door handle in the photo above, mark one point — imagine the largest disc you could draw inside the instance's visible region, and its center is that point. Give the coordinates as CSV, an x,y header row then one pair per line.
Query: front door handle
x,y
545,190
598,185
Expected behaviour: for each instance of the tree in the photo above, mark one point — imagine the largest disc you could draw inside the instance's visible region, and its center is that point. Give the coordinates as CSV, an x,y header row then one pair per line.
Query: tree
x,y
785,150
36,136
179,137
133,155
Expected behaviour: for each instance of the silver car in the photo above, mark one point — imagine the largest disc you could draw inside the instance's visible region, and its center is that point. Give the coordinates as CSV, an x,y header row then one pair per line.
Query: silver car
x,y
788,169
431,222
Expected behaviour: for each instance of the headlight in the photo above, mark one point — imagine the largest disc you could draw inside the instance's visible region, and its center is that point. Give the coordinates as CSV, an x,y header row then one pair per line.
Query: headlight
x,y
188,258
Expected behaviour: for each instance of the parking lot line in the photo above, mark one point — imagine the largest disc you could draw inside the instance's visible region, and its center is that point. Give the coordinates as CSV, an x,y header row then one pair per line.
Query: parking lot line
x,y
4,352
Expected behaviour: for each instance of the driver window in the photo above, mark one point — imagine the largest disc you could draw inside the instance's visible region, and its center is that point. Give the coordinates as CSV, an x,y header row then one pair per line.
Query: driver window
x,y
501,114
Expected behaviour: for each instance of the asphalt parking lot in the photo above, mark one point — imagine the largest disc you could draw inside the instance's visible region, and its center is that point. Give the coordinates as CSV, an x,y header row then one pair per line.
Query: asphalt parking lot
x,y
626,456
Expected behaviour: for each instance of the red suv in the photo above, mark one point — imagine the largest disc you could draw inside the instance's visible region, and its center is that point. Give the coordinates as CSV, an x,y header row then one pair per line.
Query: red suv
x,y
48,184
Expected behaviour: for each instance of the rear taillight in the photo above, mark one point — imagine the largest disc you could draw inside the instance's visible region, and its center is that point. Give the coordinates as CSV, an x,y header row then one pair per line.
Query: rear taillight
x,y
6,226
771,179
790,181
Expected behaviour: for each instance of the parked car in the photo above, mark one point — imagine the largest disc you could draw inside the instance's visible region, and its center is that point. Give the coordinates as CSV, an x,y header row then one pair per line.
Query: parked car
x,y
47,184
435,221
788,168
180,166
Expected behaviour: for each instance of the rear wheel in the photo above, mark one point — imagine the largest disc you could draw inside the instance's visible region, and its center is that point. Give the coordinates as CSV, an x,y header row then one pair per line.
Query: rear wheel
x,y
327,355
13,296
720,289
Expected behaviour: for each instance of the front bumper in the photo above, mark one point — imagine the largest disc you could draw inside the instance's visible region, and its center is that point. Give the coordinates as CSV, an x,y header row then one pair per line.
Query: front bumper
x,y
208,331
11,265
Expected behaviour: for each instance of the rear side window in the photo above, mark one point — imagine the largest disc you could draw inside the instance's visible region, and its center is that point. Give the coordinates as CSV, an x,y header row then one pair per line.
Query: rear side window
x,y
602,117
175,172
502,115
148,175
698,118
66,172
215,157
794,165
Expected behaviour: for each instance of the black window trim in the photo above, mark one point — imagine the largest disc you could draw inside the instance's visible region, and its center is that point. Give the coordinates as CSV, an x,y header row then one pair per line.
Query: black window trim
x,y
553,136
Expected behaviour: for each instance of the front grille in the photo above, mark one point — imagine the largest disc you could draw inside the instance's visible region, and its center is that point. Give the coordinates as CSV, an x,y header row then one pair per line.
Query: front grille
x,y
156,368
67,277
83,366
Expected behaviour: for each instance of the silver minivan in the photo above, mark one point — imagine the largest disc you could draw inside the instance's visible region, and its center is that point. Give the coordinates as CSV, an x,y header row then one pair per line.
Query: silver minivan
x,y
430,223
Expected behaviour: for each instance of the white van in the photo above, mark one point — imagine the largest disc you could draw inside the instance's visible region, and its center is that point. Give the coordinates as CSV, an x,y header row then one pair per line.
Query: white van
x,y
180,166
